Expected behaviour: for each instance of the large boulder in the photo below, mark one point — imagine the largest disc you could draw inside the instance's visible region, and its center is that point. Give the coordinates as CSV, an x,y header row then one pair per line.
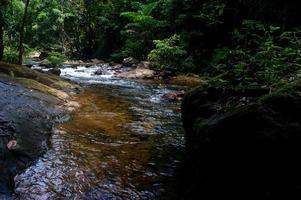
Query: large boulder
x,y
248,149
139,73
130,62
26,121
31,103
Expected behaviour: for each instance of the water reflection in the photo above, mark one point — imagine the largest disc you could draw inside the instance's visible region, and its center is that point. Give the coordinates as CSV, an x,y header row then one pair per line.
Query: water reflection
x,y
123,143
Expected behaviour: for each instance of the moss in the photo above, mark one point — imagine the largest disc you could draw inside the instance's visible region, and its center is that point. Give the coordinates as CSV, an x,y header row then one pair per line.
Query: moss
x,y
32,84
43,82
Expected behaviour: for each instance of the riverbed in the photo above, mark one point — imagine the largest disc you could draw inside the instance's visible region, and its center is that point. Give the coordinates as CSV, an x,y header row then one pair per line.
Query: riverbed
x,y
124,142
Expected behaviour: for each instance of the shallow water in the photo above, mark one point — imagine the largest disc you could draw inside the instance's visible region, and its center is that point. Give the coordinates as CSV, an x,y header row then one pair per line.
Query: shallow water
x,y
124,142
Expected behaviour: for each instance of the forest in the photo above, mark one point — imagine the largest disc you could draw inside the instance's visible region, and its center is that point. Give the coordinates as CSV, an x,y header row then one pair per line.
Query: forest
x,y
150,99
232,43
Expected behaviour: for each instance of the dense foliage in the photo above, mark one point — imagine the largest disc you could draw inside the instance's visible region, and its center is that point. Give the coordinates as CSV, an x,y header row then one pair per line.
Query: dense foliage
x,y
231,43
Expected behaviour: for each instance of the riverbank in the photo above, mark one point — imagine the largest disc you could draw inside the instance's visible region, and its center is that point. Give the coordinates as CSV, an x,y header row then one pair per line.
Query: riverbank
x,y
242,145
31,104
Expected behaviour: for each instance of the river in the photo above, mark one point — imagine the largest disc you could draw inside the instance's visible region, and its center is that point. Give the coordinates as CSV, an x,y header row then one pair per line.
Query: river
x,y
124,142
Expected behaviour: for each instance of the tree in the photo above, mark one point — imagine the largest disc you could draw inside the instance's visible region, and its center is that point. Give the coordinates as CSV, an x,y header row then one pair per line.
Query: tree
x,y
3,6
21,47
141,29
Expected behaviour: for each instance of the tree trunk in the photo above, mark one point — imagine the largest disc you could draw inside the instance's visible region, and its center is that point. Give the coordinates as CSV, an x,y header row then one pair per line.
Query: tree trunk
x,y
1,42
21,48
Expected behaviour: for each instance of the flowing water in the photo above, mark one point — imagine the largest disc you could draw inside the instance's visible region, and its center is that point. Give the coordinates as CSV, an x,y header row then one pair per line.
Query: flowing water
x,y
124,142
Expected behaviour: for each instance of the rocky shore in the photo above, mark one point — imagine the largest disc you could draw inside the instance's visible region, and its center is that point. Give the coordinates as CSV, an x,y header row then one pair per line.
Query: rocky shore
x,y
129,68
31,103
242,145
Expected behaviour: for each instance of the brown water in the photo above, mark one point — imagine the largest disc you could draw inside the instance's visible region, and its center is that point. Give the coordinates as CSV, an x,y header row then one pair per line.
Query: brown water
x,y
124,142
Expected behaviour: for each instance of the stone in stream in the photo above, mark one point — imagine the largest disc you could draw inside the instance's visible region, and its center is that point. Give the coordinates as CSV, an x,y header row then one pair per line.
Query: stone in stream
x,y
98,72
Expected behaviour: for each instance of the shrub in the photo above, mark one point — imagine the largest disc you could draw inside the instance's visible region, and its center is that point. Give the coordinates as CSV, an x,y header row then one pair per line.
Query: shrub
x,y
260,56
55,59
168,54
11,55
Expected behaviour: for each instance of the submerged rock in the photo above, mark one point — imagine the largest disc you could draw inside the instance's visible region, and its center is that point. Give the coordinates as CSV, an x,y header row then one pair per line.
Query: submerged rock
x,y
248,151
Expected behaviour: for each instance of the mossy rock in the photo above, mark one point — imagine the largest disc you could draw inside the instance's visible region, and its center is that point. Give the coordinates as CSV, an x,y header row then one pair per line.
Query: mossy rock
x,y
246,152
47,83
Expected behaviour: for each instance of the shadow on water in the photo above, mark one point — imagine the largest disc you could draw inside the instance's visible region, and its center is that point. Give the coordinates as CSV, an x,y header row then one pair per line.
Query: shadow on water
x,y
124,142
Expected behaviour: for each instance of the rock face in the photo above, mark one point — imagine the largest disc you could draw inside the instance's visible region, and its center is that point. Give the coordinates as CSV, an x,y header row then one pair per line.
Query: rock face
x,y
29,107
26,119
248,151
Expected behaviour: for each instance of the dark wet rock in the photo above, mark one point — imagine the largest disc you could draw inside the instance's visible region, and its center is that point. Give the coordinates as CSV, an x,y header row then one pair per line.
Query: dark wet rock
x,y
26,120
111,63
130,62
55,71
6,129
247,151
98,72
28,110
